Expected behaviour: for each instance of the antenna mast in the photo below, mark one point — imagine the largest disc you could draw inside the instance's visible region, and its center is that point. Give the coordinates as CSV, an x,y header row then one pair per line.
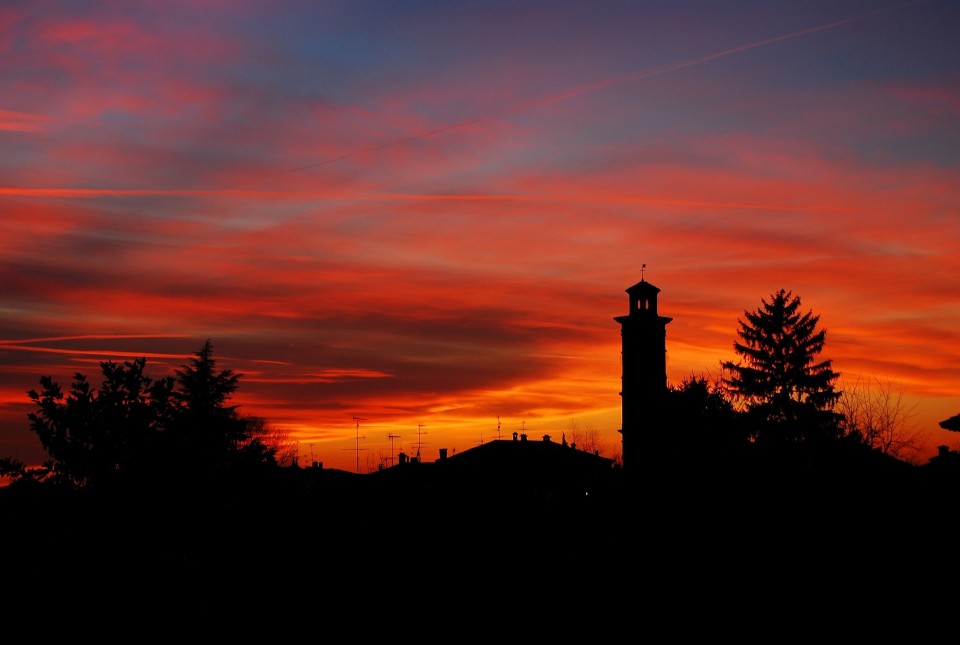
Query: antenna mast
x,y
420,427
358,420
391,437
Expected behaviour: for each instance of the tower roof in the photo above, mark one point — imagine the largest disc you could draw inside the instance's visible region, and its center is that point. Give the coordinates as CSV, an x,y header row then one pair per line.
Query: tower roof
x,y
642,287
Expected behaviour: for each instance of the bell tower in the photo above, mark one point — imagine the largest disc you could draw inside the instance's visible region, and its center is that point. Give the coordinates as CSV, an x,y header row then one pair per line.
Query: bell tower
x,y
643,382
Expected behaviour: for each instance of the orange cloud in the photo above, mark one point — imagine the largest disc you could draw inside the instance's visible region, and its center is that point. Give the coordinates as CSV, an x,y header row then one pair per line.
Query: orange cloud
x,y
441,235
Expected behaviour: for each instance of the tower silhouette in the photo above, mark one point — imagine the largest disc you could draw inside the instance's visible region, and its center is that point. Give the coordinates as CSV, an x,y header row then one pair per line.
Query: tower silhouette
x,y
643,381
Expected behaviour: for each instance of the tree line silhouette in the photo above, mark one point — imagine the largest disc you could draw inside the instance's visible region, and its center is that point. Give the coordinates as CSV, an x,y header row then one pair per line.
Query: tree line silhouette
x,y
137,432
773,421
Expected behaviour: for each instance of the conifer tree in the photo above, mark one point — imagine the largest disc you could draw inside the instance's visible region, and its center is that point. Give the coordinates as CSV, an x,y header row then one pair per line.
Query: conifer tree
x,y
208,429
780,379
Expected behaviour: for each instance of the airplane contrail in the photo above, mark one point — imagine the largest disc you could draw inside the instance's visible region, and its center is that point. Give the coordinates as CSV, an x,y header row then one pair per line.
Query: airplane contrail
x,y
523,107
609,82
635,76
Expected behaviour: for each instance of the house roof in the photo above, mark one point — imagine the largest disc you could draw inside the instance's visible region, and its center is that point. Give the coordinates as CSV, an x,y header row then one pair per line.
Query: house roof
x,y
510,471
528,455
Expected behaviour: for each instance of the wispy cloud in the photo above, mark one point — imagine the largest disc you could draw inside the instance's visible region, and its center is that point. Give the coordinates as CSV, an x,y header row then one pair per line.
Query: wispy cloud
x,y
431,219
22,122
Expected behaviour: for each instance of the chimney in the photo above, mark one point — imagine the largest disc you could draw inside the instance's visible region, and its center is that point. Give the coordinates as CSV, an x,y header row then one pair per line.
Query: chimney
x,y
443,454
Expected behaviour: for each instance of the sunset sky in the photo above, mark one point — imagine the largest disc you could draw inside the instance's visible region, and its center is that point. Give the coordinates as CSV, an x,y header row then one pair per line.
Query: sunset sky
x,y
424,215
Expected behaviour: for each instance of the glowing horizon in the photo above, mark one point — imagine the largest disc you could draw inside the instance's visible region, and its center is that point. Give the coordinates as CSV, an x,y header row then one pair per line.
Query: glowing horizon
x,y
427,216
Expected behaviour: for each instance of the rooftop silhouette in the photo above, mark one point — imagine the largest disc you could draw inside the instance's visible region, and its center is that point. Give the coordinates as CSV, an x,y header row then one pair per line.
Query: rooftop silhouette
x,y
691,463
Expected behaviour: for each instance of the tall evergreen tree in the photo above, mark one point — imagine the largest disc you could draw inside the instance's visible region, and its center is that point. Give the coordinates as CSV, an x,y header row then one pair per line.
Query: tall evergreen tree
x,y
202,391
207,428
780,378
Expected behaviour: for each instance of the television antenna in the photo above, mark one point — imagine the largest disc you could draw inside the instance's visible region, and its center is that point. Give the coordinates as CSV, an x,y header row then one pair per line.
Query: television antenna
x,y
420,427
358,420
391,437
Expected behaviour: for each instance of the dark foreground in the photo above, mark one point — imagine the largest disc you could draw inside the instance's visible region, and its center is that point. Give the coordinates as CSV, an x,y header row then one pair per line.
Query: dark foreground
x,y
350,533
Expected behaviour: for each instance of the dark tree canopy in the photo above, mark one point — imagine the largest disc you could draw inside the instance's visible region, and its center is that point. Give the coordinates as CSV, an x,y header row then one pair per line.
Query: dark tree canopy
x,y
95,436
700,410
134,428
780,378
